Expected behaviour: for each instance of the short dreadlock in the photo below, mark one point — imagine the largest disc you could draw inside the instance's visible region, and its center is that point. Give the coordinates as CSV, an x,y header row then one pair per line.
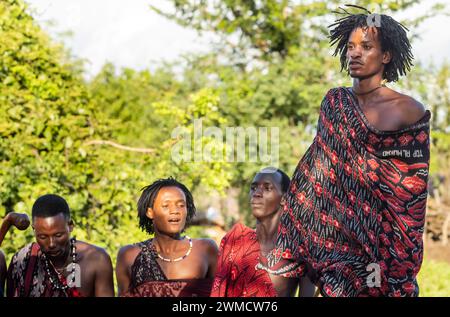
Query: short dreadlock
x,y
391,34
148,197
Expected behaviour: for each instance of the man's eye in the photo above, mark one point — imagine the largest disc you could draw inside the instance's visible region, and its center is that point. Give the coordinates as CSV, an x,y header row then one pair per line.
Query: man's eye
x,y
367,47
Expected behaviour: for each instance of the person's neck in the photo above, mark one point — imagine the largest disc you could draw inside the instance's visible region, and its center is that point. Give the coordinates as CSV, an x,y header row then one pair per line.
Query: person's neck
x,y
363,85
366,88
166,243
267,228
62,261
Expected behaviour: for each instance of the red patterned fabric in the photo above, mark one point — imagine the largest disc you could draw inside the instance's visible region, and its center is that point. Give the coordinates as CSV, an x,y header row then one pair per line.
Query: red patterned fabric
x,y
172,288
28,278
236,274
356,203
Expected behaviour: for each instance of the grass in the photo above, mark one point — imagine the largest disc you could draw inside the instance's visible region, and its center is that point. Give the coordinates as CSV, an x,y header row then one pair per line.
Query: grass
x,y
434,279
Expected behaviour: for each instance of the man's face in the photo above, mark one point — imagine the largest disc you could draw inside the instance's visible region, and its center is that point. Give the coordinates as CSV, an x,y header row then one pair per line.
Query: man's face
x,y
53,234
169,210
364,54
265,194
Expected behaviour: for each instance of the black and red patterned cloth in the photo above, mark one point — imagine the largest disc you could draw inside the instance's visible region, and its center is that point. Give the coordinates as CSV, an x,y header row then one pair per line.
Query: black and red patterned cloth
x,y
236,274
149,280
27,276
356,205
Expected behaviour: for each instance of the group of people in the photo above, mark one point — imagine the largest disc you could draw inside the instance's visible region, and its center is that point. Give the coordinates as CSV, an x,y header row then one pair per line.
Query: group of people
x,y
349,223
168,264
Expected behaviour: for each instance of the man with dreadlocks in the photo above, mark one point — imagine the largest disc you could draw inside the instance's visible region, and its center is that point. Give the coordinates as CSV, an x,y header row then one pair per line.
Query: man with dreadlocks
x,y
354,217
168,265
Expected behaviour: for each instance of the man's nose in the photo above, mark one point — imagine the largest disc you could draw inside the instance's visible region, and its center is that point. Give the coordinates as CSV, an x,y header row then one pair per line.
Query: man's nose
x,y
175,210
355,52
52,243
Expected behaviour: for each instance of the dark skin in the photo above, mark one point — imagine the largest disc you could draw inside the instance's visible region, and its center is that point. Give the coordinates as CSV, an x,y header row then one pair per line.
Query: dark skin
x,y
2,271
53,236
169,214
384,108
267,201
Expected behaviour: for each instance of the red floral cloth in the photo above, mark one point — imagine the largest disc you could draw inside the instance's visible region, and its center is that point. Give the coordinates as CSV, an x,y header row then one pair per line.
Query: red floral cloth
x,y
236,274
355,210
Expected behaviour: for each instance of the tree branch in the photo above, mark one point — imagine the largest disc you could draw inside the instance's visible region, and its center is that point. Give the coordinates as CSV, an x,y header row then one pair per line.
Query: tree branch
x,y
119,146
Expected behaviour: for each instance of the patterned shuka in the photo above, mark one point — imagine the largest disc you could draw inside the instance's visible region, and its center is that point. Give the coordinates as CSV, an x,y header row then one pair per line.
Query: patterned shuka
x,y
356,205
236,274
148,278
27,276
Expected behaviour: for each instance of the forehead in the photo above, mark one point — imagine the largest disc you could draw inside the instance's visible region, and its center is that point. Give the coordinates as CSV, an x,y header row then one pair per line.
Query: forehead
x,y
364,34
57,222
170,193
272,178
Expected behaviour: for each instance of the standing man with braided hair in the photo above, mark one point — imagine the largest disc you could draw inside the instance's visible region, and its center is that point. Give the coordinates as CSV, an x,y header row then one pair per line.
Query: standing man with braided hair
x,y
355,210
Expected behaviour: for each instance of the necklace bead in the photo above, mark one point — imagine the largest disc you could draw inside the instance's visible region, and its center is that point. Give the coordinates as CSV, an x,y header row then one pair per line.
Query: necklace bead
x,y
58,284
180,258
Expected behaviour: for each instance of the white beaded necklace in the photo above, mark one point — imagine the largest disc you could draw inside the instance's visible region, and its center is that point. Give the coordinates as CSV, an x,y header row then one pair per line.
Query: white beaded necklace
x,y
180,258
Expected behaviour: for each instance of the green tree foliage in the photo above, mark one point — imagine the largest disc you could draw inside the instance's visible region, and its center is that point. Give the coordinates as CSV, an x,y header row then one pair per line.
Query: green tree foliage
x,y
272,65
45,117
274,27
60,136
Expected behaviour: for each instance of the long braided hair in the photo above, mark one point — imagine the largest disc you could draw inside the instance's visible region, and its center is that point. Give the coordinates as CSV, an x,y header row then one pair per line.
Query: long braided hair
x,y
392,36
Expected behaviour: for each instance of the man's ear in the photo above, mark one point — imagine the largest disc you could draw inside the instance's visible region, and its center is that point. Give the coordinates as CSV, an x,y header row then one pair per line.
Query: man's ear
x,y
150,213
283,201
71,225
387,56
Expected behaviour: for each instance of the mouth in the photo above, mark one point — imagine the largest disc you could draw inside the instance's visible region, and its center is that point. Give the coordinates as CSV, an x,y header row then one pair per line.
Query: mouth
x,y
354,65
53,254
175,221
256,204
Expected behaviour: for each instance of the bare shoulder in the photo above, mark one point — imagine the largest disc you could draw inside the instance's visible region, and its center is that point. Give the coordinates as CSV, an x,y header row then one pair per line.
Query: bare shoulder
x,y
207,245
127,254
410,109
93,252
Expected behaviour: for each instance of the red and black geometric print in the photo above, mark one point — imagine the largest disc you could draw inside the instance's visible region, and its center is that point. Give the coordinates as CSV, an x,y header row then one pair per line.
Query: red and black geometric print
x,y
357,200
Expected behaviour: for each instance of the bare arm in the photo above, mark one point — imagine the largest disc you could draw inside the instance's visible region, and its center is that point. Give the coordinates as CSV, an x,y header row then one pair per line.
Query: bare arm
x,y
125,260
104,285
213,252
20,221
2,273
307,288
